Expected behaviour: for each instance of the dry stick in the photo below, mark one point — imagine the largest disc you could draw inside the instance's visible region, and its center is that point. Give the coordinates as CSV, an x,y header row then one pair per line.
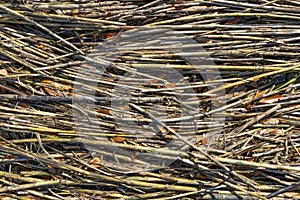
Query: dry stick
x,y
19,178
173,179
256,119
257,165
162,186
283,190
183,195
100,192
273,178
237,187
254,79
62,65
39,98
147,195
264,4
67,6
41,27
12,90
39,194
259,6
33,185
293,145
38,136
220,67
42,195
72,18
16,58
240,177
206,16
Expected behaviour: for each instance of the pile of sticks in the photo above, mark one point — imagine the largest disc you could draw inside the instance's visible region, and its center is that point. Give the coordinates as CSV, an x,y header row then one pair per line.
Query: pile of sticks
x,y
186,99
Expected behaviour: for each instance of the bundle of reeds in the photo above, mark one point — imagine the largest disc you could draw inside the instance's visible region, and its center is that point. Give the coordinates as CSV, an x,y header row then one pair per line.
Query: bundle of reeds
x,y
179,99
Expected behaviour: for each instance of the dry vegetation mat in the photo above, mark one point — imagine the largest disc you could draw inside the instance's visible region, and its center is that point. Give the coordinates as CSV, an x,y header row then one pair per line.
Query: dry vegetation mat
x,y
136,99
